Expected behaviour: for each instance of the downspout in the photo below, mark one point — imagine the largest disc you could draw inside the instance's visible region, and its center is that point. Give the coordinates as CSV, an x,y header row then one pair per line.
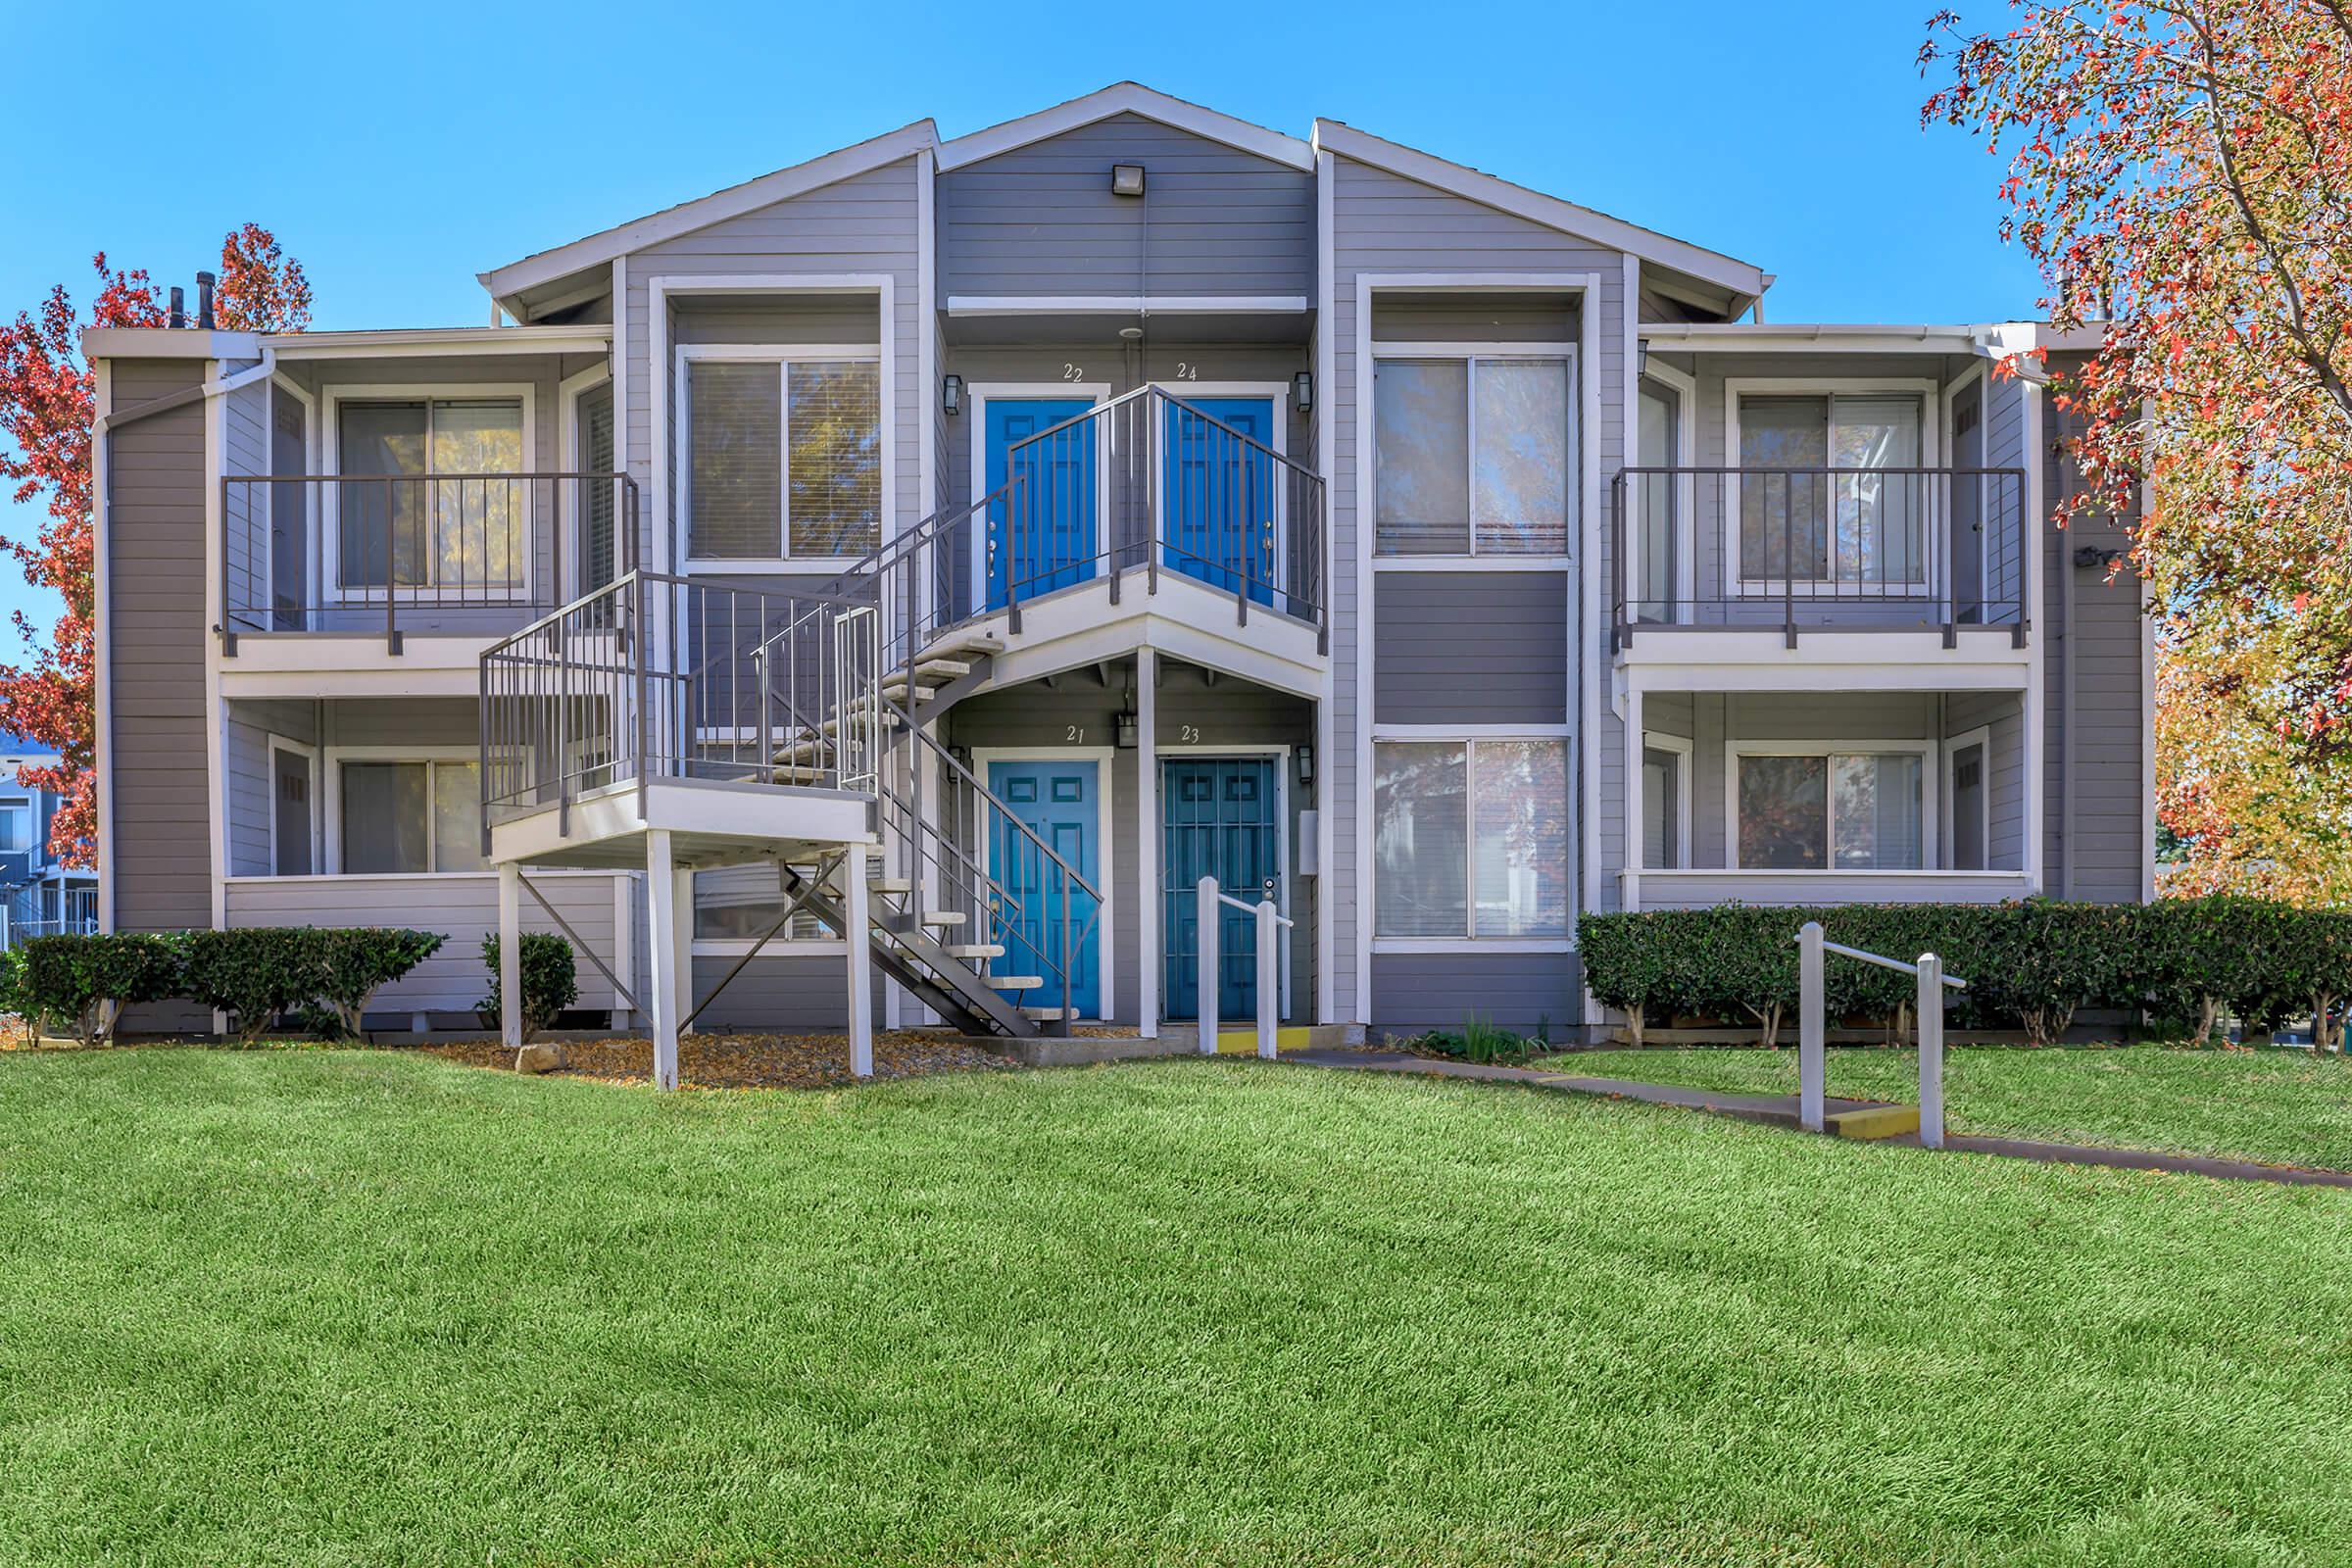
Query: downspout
x,y
2065,741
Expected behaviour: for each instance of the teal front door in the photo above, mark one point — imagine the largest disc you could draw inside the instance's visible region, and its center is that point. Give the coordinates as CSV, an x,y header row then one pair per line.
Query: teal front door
x,y
1221,816
1040,531
1221,493
1057,800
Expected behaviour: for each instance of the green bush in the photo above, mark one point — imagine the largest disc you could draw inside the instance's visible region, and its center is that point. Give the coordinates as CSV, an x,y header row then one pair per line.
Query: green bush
x,y
551,981
353,964
82,983
2029,966
253,973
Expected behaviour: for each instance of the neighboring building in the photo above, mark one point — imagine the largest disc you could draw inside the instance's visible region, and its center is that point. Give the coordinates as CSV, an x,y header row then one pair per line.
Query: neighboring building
x,y
1441,557
39,894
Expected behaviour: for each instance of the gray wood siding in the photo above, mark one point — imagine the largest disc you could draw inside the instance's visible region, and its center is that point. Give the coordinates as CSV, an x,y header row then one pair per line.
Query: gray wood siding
x,y
773,995
1040,218
156,629
1416,991
2003,715
1471,647
248,784
2097,844
1382,222
462,907
864,225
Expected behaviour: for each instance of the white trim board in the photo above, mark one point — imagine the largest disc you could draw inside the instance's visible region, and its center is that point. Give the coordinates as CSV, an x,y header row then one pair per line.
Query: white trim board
x,y
1127,305
1124,98
1686,750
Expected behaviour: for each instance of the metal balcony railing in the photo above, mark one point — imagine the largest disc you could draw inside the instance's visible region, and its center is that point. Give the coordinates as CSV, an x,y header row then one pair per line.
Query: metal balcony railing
x,y
467,554
1794,550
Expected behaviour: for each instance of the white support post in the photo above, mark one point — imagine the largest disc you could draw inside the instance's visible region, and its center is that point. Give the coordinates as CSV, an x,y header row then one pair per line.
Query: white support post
x,y
1148,959
1207,986
510,955
682,901
1812,1029
1931,1050
662,919
1269,979
858,940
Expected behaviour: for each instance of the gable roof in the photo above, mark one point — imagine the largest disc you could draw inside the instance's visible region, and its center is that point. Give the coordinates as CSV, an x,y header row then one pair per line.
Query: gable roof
x,y
1743,279
827,168
1126,98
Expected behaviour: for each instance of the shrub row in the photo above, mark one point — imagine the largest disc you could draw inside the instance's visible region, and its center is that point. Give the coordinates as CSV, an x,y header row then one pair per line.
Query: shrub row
x,y
2029,965
323,977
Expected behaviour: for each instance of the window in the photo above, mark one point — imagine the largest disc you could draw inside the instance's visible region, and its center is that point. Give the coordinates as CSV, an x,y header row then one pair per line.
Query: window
x,y
1658,444
456,533
1831,811
1837,521
1471,838
1662,831
783,457
1971,807
741,903
403,817
1473,456
15,826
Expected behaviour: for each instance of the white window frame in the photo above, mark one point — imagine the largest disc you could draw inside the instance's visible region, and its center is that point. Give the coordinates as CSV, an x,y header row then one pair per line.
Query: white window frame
x,y
329,551
783,356
784,945
1953,745
337,756
979,394
1926,389
568,458
1685,751
1686,500
1468,738
1470,354
271,745
1930,805
32,822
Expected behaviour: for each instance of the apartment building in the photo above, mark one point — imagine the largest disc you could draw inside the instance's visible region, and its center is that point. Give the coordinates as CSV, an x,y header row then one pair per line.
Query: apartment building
x,y
969,544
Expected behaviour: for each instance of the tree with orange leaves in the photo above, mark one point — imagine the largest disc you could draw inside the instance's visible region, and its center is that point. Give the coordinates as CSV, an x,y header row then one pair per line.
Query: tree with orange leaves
x,y
2181,173
47,409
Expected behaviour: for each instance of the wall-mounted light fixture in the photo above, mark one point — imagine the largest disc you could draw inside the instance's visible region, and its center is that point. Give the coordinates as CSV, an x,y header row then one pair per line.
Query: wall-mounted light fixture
x,y
1640,356
951,394
1306,765
1302,391
1123,730
1126,179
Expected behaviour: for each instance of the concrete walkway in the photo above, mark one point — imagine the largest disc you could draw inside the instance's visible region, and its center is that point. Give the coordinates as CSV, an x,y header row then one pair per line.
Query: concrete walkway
x,y
1781,1110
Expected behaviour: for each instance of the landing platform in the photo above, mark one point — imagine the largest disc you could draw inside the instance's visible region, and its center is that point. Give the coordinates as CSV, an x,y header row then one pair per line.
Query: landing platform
x,y
711,824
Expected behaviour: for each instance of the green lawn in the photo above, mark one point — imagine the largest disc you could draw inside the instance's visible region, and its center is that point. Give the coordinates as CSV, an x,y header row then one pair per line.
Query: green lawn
x,y
2281,1106
357,1308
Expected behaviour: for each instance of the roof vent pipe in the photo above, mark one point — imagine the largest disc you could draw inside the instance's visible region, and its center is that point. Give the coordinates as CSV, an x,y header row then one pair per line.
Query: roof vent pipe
x,y
177,314
204,301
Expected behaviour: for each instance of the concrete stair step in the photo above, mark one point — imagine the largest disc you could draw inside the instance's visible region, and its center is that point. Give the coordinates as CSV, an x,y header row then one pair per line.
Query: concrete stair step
x,y
1050,1014
890,885
975,952
1013,982
943,919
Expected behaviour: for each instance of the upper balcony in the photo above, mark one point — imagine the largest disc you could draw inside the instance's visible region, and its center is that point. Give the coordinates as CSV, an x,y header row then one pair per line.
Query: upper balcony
x,y
1732,564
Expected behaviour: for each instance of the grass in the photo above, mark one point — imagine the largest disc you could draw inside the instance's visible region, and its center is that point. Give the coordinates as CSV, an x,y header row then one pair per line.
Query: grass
x,y
2279,1106
337,1307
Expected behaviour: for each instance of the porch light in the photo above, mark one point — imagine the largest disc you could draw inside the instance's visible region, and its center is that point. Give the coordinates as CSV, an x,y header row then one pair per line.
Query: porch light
x,y
1123,731
951,394
1126,179
1302,391
1640,356
1306,765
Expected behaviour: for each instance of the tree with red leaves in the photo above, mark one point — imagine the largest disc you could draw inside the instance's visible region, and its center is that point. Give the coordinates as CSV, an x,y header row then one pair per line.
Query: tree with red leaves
x,y
47,409
2181,173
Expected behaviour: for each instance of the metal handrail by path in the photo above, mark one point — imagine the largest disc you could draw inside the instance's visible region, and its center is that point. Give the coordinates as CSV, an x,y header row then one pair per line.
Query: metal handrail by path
x,y
1812,1029
1818,549
1269,964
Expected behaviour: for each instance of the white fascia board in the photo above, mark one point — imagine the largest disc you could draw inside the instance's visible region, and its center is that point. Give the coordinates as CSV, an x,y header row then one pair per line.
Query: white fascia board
x,y
1127,305
1712,266
425,341
595,250
165,343
1126,98
1745,337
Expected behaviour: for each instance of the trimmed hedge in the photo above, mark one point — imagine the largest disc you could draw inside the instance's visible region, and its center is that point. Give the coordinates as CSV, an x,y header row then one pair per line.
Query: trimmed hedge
x,y
551,981
2029,965
254,974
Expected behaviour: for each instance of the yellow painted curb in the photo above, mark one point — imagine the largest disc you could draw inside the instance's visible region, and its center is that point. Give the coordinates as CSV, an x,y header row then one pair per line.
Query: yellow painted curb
x,y
1889,1121
1244,1042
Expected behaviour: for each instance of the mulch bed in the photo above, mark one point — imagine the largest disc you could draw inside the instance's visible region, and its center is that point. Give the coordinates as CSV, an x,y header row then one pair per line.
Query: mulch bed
x,y
745,1062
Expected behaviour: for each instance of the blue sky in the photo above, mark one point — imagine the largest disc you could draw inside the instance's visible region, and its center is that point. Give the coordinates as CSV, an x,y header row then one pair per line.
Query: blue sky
x,y
398,151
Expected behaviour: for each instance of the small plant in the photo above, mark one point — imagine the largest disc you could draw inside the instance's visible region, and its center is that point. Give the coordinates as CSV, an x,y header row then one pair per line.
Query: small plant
x,y
1489,1046
551,981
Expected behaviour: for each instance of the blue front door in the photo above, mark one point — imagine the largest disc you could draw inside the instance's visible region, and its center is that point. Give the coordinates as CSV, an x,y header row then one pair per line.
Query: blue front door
x,y
1220,817
1041,534
1057,801
1221,493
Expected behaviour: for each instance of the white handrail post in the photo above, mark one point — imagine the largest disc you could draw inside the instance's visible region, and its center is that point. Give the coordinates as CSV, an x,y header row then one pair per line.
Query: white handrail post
x,y
1931,1050
1207,987
1268,982
1812,1028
